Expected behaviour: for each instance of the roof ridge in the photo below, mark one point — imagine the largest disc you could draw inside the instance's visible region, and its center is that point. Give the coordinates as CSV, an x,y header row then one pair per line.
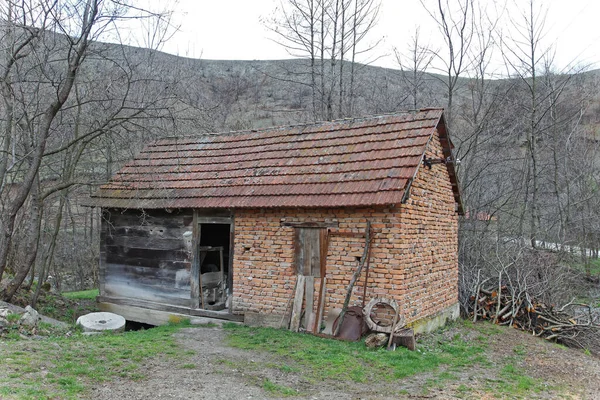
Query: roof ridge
x,y
332,153
300,125
156,148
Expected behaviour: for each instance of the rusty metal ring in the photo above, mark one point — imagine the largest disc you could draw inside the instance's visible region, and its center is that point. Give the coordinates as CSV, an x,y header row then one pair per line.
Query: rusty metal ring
x,y
372,324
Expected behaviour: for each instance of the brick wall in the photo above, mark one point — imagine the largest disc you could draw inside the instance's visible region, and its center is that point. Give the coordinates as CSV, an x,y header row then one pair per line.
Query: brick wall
x,y
413,257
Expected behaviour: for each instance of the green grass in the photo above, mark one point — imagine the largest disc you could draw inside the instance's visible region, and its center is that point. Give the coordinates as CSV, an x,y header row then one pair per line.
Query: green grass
x,y
82,295
277,389
13,317
332,359
594,264
441,357
514,382
63,367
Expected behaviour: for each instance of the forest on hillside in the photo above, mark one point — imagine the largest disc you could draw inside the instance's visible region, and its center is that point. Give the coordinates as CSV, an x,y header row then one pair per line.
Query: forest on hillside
x,y
75,108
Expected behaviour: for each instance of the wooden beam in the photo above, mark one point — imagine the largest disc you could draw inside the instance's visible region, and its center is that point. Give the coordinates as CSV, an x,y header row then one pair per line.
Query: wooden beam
x,y
214,220
170,308
231,255
321,305
217,314
309,299
297,307
324,247
195,287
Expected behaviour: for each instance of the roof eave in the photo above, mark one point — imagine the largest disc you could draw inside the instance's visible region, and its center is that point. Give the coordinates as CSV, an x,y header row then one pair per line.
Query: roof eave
x,y
447,147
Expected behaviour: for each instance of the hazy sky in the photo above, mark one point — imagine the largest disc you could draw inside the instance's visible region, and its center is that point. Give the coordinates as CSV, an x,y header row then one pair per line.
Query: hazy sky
x,y
232,29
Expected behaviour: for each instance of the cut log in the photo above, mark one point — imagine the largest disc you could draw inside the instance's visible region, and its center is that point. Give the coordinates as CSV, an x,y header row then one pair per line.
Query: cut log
x,y
374,340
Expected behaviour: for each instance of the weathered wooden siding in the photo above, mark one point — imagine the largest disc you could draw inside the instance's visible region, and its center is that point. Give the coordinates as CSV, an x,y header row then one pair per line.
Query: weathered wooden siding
x,y
146,255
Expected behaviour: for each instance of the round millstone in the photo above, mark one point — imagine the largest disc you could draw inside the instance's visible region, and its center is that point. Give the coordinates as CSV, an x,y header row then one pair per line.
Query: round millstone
x,y
101,322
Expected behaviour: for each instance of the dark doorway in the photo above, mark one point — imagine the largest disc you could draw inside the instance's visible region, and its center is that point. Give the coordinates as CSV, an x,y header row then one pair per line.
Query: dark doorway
x,y
214,255
215,235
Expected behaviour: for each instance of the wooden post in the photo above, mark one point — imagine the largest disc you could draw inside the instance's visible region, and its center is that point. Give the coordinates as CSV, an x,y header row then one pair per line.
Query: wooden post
x,y
297,307
309,299
391,338
222,267
321,305
324,243
195,272
367,273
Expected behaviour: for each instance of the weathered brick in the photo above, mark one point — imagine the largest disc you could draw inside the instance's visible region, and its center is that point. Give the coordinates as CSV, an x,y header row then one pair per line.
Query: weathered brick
x,y
413,258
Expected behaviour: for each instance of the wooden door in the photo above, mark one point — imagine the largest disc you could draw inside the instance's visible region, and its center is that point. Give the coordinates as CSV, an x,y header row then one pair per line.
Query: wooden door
x,y
311,251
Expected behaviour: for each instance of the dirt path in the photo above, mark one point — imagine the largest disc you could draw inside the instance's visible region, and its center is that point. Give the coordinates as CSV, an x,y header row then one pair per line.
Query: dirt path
x,y
208,369
175,379
219,372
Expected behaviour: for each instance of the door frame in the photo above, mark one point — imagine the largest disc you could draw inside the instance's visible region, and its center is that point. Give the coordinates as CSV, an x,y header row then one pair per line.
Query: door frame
x,y
223,217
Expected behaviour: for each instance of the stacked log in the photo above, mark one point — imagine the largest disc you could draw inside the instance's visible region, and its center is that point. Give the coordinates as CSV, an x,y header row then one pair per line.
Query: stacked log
x,y
574,324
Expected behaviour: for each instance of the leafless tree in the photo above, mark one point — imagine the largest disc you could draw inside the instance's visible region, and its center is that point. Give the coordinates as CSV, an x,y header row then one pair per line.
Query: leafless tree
x,y
329,34
456,22
55,108
414,66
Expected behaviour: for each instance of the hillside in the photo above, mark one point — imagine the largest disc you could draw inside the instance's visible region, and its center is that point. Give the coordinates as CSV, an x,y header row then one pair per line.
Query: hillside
x,y
533,168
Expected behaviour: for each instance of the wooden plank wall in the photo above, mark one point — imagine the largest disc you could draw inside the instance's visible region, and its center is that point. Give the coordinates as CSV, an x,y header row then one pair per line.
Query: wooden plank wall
x,y
146,255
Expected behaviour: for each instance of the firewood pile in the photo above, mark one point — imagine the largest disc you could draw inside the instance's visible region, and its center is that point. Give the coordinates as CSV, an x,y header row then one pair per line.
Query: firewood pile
x,y
574,325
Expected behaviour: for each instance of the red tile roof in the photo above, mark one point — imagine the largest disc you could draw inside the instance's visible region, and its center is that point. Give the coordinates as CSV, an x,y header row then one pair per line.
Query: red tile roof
x,y
353,162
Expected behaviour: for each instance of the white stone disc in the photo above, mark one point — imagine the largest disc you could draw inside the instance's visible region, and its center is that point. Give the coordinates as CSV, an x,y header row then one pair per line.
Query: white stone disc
x,y
101,322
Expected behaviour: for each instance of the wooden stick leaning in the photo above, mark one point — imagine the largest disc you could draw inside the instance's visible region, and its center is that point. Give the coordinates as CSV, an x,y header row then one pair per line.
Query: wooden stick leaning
x,y
324,239
297,306
366,254
394,325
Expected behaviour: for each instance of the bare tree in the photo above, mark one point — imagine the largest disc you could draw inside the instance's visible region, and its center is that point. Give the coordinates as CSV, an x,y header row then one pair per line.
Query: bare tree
x,y
413,66
456,23
329,34
55,107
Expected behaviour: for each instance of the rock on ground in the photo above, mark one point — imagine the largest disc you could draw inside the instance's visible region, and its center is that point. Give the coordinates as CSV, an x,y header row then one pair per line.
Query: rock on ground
x,y
30,318
20,310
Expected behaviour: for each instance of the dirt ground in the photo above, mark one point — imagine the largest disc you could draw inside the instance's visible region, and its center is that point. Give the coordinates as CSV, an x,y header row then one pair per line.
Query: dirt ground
x,y
217,371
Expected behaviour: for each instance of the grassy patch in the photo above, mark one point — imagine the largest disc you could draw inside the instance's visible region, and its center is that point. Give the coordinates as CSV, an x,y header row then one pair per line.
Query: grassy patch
x,y
82,295
65,307
13,318
515,382
512,379
594,265
520,350
442,359
332,359
277,389
63,367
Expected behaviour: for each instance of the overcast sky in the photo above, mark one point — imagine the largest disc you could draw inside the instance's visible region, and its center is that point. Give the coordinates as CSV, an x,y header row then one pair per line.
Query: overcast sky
x,y
232,29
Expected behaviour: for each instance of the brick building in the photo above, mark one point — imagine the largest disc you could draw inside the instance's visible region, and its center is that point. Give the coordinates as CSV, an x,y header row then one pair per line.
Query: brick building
x,y
221,225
